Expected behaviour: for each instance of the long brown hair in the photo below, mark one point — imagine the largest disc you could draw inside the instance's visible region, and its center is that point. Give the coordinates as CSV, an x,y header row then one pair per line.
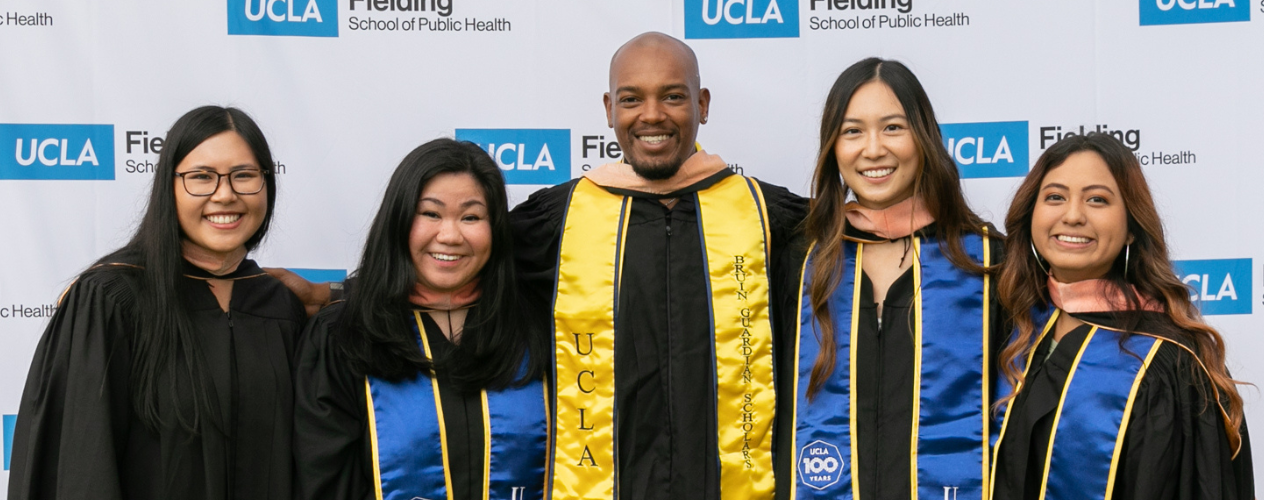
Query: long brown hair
x,y
938,184
1023,284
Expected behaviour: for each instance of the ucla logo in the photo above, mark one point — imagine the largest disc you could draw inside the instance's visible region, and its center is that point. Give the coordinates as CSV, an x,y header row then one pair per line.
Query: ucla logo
x,y
1156,12
9,422
283,17
741,19
820,465
525,156
56,152
1217,286
321,275
989,149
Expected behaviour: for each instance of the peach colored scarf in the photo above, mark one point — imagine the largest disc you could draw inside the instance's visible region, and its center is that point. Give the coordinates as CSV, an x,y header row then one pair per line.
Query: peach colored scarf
x,y
894,222
441,301
699,166
1094,296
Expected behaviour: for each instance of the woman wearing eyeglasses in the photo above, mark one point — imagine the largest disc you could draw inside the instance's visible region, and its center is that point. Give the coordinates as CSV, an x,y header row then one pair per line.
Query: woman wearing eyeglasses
x,y
165,372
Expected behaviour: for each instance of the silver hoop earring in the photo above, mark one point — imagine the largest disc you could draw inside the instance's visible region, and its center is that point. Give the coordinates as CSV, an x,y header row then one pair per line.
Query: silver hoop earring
x,y
1127,250
1037,255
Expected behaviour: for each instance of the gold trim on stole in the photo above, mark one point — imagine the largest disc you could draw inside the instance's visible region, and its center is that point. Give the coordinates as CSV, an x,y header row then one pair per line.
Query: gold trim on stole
x,y
917,365
851,369
377,465
591,254
987,363
1123,423
1031,355
737,262
1057,414
443,430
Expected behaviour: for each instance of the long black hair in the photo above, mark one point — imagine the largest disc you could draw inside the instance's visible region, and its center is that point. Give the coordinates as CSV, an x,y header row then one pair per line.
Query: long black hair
x,y
167,365
375,332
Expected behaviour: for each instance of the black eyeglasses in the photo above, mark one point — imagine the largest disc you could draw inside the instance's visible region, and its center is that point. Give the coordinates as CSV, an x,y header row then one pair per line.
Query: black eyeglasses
x,y
205,182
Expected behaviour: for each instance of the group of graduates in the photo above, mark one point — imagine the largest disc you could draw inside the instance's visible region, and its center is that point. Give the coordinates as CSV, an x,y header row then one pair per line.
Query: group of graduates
x,y
660,328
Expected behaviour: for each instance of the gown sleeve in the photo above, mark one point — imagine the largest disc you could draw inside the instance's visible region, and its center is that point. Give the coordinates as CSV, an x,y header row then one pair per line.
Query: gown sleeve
x,y
331,453
537,228
74,415
1175,447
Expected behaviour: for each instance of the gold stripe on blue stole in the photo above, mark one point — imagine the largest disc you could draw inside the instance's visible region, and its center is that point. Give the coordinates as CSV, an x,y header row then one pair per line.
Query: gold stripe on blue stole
x,y
917,363
377,465
987,362
487,444
950,405
1094,408
736,258
828,467
443,430
406,424
1031,354
589,263
1057,415
1123,427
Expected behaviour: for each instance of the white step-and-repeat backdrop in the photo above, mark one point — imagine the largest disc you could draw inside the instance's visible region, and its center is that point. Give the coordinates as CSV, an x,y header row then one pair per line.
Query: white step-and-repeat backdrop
x,y
344,88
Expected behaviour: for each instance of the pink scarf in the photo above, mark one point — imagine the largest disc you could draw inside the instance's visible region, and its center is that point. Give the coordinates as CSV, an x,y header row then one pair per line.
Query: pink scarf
x,y
212,262
894,222
1094,296
699,166
430,299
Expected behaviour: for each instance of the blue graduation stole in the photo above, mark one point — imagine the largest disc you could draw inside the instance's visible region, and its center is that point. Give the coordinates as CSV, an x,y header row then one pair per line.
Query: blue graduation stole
x,y
410,454
1093,413
949,448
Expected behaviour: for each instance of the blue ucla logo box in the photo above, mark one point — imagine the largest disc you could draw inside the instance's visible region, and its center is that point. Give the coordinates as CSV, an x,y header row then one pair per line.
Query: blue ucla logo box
x,y
741,19
321,275
56,152
283,17
9,422
525,156
988,149
1221,286
1158,12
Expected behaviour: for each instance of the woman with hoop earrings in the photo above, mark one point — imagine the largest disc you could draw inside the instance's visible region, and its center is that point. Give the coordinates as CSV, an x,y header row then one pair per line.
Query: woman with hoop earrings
x,y
1115,386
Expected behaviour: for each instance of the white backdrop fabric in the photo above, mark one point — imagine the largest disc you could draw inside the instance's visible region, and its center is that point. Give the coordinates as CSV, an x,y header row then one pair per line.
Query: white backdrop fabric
x,y
345,88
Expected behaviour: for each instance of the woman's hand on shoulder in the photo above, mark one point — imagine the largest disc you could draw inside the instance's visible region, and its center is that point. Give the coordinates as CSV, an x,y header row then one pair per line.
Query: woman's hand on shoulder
x,y
313,295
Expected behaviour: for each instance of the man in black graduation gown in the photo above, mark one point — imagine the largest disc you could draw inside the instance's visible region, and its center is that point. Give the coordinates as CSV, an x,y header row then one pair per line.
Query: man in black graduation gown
x,y
665,394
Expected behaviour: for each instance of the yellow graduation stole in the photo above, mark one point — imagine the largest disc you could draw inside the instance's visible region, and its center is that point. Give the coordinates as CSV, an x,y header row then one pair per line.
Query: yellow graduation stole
x,y
734,226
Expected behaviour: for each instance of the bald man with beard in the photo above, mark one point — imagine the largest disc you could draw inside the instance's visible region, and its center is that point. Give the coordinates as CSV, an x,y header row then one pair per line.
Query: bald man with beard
x,y
660,275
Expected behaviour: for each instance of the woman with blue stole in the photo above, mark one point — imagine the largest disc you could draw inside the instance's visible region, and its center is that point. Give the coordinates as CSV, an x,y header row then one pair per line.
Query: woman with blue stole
x,y
1121,388
426,383
892,359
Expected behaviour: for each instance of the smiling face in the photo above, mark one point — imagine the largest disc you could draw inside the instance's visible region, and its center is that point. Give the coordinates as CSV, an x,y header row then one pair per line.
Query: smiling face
x,y
877,153
222,222
655,104
451,237
1080,223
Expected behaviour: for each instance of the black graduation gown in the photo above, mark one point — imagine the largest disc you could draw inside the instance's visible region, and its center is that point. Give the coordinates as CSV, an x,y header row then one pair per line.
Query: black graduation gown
x,y
663,363
884,378
77,436
1175,446
332,449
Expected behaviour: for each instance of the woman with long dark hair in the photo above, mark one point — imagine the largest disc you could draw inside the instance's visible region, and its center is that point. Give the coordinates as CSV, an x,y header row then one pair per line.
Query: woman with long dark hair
x,y
426,382
1122,390
896,325
165,372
